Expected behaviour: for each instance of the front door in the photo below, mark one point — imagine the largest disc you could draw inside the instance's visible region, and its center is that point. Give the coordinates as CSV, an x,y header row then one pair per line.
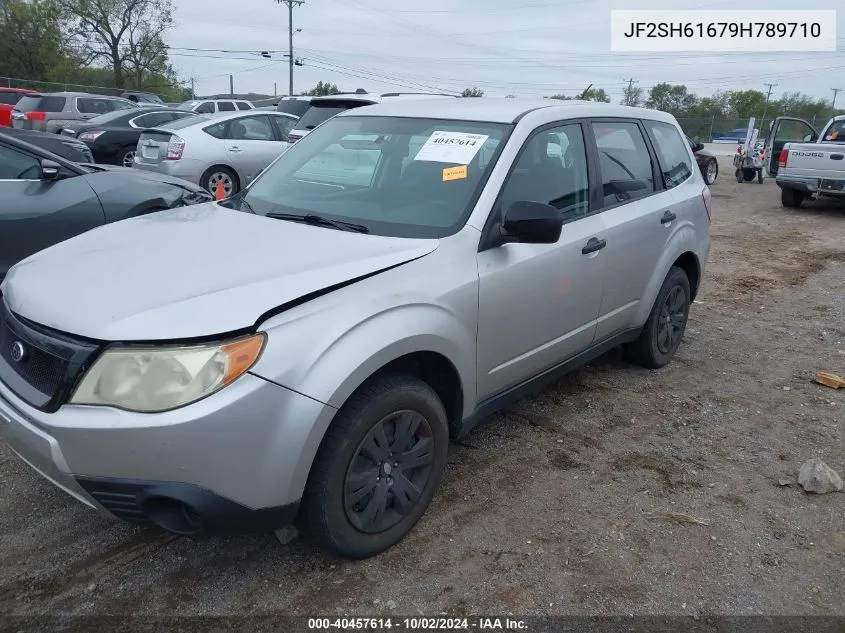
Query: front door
x,y
786,130
538,303
37,213
251,144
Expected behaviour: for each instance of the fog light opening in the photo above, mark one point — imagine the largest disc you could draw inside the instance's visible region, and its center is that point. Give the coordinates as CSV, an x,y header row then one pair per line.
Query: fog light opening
x,y
173,515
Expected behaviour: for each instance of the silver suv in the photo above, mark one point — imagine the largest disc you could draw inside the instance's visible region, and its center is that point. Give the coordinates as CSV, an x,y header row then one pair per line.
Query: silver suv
x,y
50,112
306,348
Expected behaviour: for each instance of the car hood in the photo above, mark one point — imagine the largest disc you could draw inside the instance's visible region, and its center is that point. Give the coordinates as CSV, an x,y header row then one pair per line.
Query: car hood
x,y
140,174
191,272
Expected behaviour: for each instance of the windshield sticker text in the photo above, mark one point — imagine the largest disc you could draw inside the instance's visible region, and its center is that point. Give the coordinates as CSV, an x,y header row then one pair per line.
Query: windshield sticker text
x,y
454,173
451,147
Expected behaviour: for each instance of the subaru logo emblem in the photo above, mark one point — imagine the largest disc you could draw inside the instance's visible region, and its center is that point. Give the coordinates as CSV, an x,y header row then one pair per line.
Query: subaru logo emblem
x,y
18,351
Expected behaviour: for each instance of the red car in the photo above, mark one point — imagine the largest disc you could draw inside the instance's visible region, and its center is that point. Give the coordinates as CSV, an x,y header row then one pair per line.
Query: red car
x,y
706,160
8,99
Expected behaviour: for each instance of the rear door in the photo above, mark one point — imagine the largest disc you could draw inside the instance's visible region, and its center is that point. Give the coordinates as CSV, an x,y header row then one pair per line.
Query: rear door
x,y
38,213
635,201
786,130
252,143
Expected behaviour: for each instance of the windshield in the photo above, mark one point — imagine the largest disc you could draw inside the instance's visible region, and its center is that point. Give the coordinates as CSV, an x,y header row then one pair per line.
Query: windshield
x,y
395,176
835,133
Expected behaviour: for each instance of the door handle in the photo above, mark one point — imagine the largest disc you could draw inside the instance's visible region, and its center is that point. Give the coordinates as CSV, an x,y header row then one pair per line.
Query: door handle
x,y
668,217
837,156
593,245
235,149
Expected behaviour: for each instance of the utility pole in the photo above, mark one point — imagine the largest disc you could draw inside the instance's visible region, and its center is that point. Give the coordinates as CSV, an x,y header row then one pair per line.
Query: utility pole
x,y
290,4
836,91
193,92
231,85
629,92
766,108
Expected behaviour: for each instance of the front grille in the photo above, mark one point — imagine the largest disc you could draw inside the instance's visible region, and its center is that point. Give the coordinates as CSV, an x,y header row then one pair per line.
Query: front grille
x,y
50,365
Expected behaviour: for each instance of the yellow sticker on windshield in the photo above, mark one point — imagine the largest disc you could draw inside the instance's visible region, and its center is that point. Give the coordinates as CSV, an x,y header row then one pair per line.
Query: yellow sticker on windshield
x,y
454,173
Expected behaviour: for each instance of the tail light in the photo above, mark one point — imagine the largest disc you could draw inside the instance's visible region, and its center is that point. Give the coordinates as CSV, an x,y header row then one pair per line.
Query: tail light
x,y
784,156
175,148
708,200
91,136
36,116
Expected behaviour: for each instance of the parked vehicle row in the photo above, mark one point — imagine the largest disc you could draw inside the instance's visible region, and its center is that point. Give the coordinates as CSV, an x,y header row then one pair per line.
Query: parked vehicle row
x,y
113,138
374,306
51,112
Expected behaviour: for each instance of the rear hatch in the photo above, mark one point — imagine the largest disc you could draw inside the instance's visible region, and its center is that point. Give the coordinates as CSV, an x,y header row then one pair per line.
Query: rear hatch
x,y
321,111
32,111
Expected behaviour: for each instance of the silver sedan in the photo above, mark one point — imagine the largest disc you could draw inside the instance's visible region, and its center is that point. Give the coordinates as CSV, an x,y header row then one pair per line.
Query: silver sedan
x,y
229,150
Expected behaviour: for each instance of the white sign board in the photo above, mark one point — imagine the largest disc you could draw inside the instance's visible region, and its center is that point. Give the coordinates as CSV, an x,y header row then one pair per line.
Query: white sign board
x,y
451,147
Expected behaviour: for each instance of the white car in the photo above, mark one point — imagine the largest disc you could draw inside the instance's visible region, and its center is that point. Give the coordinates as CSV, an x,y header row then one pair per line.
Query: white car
x,y
230,150
214,106
324,108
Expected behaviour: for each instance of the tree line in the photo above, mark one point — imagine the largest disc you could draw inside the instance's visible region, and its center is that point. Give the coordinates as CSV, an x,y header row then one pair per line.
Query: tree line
x,y
106,43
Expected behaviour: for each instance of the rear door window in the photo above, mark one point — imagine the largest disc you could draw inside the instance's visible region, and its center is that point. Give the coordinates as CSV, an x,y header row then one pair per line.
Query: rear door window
x,y
672,153
625,162
225,106
91,105
283,125
243,105
206,107
41,104
251,128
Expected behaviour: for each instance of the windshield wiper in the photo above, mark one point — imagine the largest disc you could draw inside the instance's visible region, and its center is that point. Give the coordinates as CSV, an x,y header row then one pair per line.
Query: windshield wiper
x,y
319,220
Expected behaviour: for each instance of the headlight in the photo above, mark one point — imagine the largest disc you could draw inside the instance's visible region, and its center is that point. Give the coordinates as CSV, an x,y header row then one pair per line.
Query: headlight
x,y
153,379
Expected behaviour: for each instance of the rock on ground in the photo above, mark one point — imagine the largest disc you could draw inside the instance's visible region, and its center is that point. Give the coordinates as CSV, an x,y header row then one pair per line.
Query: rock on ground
x,y
816,476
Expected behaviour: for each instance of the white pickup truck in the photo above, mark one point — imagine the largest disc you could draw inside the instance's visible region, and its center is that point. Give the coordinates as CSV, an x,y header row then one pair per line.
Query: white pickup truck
x,y
804,163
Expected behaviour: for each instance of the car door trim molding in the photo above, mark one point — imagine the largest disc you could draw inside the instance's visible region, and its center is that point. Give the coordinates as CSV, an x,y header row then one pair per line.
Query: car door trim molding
x,y
502,399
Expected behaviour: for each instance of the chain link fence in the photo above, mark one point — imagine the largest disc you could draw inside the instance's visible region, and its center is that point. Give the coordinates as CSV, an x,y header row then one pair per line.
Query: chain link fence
x,y
715,130
52,86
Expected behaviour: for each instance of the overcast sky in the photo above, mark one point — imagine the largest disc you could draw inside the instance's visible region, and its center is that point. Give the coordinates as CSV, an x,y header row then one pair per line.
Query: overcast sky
x,y
528,48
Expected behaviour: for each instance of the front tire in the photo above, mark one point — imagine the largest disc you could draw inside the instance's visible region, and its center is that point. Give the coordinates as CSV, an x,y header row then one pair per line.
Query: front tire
x,y
662,334
791,198
377,468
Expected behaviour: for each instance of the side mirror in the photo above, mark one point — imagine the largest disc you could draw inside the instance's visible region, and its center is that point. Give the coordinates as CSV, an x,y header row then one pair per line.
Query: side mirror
x,y
532,223
698,147
50,170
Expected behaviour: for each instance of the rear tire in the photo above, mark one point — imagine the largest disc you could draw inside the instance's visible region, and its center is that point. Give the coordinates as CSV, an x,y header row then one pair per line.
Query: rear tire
x,y
377,468
213,175
662,334
126,158
791,198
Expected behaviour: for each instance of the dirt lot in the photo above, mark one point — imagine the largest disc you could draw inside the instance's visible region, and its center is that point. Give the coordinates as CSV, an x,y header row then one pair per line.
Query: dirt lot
x,y
558,505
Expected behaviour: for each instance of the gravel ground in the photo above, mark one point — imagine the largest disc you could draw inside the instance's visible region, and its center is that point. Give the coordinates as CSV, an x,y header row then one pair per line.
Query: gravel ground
x,y
561,504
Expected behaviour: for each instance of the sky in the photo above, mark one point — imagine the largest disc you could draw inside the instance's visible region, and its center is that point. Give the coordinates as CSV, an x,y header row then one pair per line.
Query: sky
x,y
526,48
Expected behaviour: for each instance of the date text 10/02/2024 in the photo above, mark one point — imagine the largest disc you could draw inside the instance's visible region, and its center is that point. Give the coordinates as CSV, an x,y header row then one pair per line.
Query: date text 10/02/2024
x,y
490,624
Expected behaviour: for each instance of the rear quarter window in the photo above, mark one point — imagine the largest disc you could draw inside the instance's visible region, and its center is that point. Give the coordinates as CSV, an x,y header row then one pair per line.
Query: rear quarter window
x,y
672,152
217,131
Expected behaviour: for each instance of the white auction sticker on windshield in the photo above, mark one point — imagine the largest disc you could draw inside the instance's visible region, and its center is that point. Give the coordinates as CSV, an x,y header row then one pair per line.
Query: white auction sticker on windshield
x,y
451,147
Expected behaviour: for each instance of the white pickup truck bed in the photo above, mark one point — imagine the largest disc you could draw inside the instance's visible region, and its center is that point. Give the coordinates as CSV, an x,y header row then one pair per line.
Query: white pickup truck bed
x,y
804,170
